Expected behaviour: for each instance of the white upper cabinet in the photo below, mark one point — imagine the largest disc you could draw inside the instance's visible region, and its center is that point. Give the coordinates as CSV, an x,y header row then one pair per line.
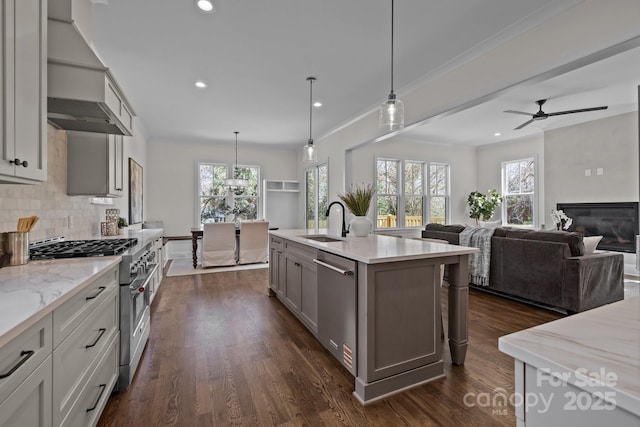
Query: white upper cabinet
x,y
23,78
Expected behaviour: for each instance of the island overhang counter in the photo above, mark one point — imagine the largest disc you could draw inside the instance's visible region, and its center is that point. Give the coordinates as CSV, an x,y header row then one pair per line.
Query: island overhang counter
x,y
396,313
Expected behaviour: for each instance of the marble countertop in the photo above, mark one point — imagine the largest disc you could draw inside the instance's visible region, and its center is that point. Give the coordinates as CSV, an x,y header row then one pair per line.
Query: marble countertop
x,y
596,350
375,249
31,291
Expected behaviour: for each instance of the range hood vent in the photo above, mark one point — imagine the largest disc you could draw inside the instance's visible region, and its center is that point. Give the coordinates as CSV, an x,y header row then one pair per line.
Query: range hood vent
x,y
82,94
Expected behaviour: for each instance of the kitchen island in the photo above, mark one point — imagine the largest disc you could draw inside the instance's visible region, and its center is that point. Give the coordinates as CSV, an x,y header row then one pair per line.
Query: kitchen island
x,y
395,316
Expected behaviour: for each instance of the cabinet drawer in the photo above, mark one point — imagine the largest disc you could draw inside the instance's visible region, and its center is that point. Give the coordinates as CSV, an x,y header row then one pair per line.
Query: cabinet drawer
x,y
30,403
301,251
23,354
276,243
96,389
68,316
75,356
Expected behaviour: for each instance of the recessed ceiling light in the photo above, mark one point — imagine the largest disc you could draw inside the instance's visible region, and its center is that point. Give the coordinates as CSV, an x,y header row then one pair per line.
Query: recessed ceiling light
x,y
497,134
317,104
205,5
200,84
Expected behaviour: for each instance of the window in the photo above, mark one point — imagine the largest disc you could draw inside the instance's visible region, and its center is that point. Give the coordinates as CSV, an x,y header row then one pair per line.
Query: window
x,y
518,191
387,189
216,203
212,194
404,200
413,194
438,192
316,196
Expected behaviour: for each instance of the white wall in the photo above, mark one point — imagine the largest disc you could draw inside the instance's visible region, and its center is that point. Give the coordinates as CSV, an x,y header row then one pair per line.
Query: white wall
x,y
490,158
610,144
172,166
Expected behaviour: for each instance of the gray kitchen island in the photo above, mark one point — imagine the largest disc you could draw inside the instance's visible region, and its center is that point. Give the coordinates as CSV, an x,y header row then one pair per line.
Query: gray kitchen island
x,y
374,303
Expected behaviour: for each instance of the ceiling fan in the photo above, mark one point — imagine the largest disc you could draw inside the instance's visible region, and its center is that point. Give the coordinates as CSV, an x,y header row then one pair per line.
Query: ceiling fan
x,y
541,115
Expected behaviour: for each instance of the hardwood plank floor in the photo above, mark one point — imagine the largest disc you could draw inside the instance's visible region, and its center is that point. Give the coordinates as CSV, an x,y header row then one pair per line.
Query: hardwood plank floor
x,y
222,352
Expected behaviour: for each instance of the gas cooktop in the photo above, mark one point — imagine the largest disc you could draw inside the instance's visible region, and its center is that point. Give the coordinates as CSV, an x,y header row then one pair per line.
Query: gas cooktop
x,y
81,248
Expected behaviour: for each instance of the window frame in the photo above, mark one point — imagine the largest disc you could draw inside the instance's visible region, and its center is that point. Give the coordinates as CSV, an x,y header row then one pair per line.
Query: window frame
x,y
319,216
447,195
534,194
402,195
229,195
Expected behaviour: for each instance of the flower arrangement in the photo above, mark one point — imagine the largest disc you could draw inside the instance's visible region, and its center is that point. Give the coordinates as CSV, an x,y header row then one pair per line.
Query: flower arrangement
x,y
560,219
358,200
482,206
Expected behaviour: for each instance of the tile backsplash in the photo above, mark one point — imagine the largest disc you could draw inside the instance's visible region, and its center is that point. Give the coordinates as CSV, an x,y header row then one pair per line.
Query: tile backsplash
x,y
49,200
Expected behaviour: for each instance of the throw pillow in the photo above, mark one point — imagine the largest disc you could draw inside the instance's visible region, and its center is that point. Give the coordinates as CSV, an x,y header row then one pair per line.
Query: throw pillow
x,y
490,224
590,243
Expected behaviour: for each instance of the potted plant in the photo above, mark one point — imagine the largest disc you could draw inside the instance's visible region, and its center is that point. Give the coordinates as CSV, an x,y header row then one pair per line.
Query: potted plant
x,y
482,206
122,223
358,202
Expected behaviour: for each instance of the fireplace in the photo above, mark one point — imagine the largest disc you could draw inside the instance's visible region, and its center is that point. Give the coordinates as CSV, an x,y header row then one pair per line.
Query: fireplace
x,y
617,223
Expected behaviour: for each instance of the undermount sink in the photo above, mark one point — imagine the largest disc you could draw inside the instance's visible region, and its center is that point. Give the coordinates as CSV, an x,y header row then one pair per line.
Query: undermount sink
x,y
321,238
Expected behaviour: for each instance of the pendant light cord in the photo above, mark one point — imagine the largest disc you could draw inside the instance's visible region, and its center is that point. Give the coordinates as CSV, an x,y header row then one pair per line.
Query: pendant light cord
x,y
311,80
392,1
236,165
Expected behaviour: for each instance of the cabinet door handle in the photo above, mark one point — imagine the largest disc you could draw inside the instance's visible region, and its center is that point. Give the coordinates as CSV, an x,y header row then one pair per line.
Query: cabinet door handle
x,y
102,331
103,387
23,353
17,162
100,290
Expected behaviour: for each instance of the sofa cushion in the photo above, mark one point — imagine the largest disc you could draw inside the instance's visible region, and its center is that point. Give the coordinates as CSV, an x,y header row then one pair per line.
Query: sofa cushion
x,y
450,228
574,240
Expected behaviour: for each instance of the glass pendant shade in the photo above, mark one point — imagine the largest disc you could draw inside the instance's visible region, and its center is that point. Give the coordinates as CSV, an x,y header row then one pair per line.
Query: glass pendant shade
x,y
234,183
309,153
392,110
392,114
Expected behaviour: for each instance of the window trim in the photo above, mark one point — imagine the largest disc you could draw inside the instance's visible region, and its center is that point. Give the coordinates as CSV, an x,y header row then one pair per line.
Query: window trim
x,y
503,210
447,196
316,190
229,196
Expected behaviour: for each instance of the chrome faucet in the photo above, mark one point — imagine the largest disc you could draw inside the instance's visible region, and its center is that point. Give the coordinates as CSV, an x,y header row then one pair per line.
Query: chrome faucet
x,y
344,230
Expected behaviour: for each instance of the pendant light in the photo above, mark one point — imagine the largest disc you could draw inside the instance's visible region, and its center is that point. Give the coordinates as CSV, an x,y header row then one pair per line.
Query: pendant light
x,y
309,153
392,111
233,183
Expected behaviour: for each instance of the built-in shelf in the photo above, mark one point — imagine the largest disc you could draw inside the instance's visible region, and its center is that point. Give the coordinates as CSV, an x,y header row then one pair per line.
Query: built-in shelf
x,y
281,185
280,202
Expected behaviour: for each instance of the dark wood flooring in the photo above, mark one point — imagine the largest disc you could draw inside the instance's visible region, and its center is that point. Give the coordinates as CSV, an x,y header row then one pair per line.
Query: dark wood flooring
x,y
223,353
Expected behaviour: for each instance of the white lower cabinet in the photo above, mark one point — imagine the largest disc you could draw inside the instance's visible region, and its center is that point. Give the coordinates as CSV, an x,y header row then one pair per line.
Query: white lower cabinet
x,y
76,357
96,389
25,377
30,403
61,370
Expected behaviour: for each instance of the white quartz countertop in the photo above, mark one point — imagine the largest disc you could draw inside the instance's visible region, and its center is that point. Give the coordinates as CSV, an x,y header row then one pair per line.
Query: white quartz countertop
x,y
596,350
31,291
375,249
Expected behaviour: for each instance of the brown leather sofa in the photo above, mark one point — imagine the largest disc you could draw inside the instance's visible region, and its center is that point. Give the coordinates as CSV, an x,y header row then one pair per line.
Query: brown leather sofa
x,y
547,267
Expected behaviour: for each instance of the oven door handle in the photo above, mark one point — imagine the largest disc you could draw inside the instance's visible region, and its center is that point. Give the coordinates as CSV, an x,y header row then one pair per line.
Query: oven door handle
x,y
142,288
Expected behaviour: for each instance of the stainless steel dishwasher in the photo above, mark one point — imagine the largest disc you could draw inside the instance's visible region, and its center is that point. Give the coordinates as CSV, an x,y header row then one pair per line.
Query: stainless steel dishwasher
x,y
337,298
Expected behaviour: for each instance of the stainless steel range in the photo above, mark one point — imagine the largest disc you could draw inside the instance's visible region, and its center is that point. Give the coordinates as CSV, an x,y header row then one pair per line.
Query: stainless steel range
x,y
136,272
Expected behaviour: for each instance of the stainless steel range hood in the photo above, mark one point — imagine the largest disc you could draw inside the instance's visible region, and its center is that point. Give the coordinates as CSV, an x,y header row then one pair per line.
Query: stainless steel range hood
x,y
82,93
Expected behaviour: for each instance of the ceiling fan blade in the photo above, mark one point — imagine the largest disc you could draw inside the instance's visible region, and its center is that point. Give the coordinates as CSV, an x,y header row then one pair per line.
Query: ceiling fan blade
x,y
524,124
582,110
517,112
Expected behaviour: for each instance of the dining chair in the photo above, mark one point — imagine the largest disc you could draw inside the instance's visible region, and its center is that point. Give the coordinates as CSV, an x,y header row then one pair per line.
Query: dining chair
x,y
218,244
254,242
